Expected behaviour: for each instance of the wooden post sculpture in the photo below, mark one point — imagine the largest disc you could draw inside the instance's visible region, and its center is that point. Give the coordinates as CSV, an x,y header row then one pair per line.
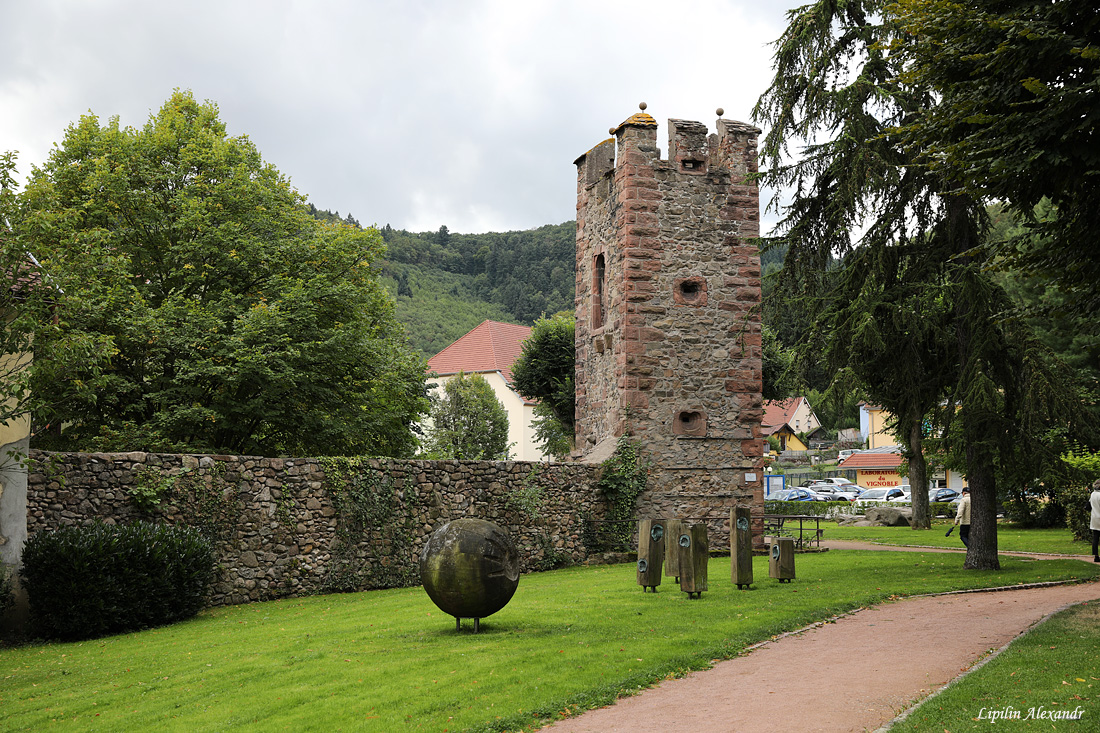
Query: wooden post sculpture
x,y
651,553
694,554
673,529
781,563
741,546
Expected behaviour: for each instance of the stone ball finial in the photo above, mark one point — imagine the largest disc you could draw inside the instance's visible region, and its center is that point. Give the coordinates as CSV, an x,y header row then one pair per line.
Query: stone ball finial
x,y
719,111
642,106
611,130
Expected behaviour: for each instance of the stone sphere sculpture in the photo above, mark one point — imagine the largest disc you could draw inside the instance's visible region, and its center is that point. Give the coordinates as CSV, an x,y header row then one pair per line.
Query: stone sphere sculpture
x,y
470,568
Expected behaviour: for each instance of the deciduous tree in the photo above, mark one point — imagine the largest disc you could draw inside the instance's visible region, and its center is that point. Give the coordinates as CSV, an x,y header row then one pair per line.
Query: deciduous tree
x,y
238,322
468,421
546,369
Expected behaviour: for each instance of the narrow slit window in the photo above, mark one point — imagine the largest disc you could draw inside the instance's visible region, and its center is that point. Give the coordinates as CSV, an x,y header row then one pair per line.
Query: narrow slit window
x,y
599,279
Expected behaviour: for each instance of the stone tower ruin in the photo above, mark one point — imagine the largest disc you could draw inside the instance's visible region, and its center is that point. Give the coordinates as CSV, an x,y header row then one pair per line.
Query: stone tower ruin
x,y
668,329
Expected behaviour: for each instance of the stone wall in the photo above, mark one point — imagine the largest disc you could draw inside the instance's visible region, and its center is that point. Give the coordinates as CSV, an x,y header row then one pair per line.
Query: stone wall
x,y
288,527
669,344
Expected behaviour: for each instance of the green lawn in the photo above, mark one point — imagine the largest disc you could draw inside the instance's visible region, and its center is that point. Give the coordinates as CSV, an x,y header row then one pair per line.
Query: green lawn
x,y
1009,538
390,661
1053,669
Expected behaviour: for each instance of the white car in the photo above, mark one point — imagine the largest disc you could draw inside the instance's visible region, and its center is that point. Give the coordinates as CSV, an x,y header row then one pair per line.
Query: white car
x,y
893,494
836,486
833,493
838,481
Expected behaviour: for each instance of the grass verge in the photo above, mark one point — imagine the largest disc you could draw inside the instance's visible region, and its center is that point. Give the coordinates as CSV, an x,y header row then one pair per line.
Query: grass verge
x,y
390,661
1050,672
1010,538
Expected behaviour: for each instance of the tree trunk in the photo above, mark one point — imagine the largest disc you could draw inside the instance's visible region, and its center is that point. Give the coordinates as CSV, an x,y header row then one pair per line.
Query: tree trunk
x,y
918,475
982,553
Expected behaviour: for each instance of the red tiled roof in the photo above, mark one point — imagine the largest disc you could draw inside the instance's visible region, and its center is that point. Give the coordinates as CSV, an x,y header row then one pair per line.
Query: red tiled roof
x,y
871,460
778,413
491,347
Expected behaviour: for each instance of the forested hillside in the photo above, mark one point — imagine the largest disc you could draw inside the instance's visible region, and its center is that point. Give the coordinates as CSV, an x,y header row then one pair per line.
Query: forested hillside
x,y
446,284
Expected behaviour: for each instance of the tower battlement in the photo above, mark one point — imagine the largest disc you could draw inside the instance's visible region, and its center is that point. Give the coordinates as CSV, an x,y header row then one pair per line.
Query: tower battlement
x,y
668,331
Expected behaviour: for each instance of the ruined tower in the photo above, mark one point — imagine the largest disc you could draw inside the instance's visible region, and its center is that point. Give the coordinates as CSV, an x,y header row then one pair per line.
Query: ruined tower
x,y
668,322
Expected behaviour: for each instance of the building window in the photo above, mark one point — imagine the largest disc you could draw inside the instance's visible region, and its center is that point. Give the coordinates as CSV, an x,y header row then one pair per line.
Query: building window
x,y
599,281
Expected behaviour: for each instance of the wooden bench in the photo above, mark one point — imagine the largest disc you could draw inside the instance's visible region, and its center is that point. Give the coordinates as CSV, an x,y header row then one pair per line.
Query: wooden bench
x,y
782,525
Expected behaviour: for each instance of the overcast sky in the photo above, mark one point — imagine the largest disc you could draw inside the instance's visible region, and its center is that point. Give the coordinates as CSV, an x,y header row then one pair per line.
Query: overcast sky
x,y
415,113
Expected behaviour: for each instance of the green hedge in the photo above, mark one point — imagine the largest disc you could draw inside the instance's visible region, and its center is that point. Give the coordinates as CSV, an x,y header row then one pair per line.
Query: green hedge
x,y
86,582
1075,499
829,508
810,508
945,508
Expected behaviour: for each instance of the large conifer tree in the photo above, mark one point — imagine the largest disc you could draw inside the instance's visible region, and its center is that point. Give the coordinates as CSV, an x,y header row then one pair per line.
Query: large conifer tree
x,y
912,312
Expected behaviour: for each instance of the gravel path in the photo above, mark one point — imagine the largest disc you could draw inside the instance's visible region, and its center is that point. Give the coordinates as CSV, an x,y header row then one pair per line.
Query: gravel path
x,y
853,675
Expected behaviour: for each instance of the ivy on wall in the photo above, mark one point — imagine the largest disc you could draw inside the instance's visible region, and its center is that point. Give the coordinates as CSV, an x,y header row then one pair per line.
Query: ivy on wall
x,y
330,524
622,479
369,510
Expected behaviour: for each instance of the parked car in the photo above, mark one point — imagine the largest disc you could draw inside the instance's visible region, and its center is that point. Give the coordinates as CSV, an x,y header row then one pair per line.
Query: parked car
x,y
835,486
838,481
893,494
832,493
942,495
841,455
798,493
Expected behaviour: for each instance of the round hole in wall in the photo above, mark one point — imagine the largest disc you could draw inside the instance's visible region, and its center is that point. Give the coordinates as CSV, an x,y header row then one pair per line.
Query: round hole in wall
x,y
690,421
691,290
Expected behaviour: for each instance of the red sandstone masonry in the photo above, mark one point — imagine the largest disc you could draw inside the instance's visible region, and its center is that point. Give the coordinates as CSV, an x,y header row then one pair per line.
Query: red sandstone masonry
x,y
682,331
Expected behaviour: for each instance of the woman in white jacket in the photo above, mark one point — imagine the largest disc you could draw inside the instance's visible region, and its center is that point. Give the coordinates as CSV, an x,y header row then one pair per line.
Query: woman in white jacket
x,y
962,517
1094,522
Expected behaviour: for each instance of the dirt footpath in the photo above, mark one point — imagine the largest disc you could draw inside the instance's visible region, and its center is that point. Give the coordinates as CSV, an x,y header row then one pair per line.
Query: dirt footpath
x,y
853,675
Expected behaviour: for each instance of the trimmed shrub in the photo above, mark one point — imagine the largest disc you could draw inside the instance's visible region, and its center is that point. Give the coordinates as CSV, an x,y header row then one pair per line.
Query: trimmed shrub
x,y
99,579
807,508
1075,499
943,509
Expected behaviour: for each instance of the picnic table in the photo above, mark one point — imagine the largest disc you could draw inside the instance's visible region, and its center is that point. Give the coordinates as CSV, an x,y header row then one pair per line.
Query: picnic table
x,y
804,534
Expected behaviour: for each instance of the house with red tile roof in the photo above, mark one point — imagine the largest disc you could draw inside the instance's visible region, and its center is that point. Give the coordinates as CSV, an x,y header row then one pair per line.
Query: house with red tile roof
x,y
786,419
490,350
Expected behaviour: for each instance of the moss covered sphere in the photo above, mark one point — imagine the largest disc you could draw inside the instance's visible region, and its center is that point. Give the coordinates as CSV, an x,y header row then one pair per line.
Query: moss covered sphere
x,y
470,568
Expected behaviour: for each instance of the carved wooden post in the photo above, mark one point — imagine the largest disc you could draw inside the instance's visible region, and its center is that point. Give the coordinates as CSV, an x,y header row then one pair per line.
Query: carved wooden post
x,y
651,552
694,554
781,562
673,529
741,546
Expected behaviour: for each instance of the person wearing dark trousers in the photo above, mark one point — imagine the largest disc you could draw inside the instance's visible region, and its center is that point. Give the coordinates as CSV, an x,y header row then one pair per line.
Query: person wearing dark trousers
x,y
962,517
1094,520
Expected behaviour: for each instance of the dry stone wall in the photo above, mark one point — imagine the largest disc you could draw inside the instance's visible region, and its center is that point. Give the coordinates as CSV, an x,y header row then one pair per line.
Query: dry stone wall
x,y
287,527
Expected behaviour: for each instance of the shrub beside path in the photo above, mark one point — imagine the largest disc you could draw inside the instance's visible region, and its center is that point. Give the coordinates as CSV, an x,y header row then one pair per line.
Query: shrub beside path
x,y
856,674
